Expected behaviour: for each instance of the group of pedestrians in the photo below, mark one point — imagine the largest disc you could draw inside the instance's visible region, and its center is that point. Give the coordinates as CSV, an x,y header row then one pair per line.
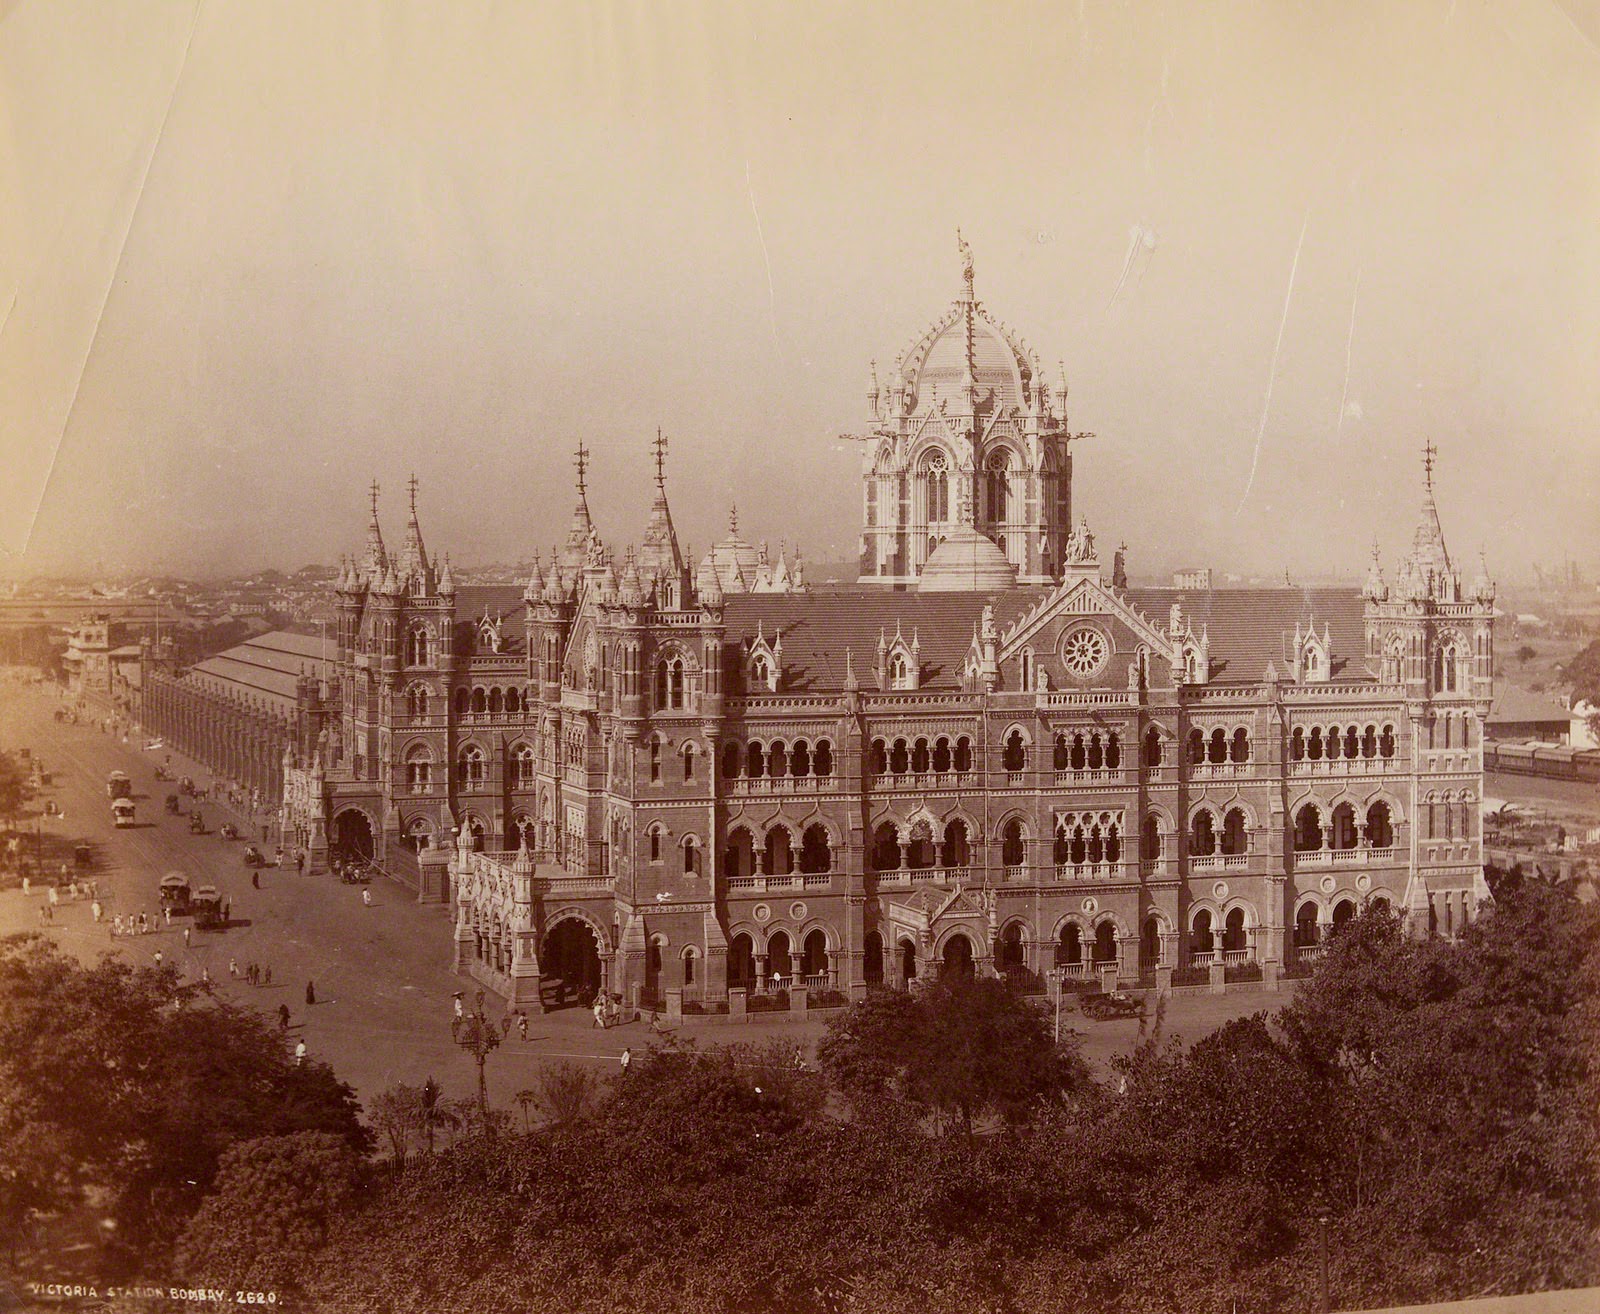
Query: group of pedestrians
x,y
131,925
254,973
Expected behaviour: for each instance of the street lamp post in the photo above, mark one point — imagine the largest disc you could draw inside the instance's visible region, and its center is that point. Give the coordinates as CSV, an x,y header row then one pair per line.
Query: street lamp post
x,y
477,1035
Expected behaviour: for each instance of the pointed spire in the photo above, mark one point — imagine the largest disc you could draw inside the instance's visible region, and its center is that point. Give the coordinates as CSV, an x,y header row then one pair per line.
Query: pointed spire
x,y
447,581
851,684
660,556
535,584
412,566
376,561
1427,570
575,555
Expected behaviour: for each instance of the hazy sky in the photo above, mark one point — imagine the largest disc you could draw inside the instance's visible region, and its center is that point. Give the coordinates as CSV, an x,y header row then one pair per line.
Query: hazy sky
x,y
253,254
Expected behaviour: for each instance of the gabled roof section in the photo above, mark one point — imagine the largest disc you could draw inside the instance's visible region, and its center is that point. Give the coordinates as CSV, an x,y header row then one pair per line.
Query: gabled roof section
x,y
1250,627
1080,597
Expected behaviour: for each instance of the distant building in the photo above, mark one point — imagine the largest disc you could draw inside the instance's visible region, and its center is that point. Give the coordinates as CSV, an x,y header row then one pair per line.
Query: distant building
x,y
1197,580
1522,714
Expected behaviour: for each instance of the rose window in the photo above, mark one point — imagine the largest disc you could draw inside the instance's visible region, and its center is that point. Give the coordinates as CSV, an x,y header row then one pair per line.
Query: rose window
x,y
1085,652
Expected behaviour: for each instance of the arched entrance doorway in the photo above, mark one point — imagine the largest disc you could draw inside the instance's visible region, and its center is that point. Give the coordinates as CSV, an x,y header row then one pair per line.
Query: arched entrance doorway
x,y
814,961
352,835
872,959
908,960
957,956
572,956
741,962
778,957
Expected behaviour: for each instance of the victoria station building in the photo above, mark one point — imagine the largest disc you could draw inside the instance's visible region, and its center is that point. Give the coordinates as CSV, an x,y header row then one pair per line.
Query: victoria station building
x,y
676,778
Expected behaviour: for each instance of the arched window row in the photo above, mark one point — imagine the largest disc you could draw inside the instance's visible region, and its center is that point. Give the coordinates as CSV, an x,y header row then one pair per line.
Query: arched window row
x,y
1214,747
1342,829
1334,743
1449,816
1088,838
671,684
755,760
921,756
921,847
1088,751
1227,835
492,701
776,853
419,646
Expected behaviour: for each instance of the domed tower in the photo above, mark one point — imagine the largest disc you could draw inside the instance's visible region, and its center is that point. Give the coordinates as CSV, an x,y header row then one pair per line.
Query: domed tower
x,y
966,442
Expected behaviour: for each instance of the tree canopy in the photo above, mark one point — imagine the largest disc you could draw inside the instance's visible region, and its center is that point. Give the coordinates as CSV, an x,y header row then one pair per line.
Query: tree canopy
x,y
123,1081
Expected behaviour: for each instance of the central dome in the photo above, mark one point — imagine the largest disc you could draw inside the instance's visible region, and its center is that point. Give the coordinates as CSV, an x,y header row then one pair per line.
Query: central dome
x,y
936,364
966,562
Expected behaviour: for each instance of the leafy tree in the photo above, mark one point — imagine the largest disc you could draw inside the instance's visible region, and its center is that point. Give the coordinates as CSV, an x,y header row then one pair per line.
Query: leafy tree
x,y
397,1114
274,1202
1526,653
963,1047
565,1092
122,1080
14,788
1583,674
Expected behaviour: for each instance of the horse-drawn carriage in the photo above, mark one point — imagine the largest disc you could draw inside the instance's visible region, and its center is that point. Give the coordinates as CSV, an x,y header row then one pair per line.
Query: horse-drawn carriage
x,y
1105,1007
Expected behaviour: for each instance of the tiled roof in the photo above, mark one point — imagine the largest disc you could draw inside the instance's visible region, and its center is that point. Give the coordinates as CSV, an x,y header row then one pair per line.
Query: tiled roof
x,y
1250,627
264,667
1514,706
474,601
818,627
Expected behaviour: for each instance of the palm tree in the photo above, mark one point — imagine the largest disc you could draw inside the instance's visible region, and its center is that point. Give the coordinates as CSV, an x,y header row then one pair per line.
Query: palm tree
x,y
433,1112
525,1098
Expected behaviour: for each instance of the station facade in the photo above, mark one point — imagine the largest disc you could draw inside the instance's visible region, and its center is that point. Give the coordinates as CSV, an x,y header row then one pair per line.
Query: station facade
x,y
989,754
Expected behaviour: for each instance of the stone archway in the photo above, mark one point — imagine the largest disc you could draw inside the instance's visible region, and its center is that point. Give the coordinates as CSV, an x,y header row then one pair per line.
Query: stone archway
x,y
352,834
957,958
571,955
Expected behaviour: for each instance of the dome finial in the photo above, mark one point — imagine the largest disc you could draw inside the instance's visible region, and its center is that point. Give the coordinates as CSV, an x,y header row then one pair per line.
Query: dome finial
x,y
966,262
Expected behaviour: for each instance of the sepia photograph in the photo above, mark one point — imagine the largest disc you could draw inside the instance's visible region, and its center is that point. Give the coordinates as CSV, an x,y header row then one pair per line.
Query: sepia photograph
x,y
776,658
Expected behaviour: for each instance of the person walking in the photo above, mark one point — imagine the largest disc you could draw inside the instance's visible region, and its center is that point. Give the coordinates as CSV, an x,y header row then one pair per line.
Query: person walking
x,y
255,880
95,911
267,977
233,968
599,1012
522,1023
166,914
311,993
299,1053
186,931
300,863
157,956
505,1025
626,1060
460,1009
283,1017
366,898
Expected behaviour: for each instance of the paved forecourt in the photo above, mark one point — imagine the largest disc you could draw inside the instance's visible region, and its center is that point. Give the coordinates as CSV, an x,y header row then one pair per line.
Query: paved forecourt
x,y
383,988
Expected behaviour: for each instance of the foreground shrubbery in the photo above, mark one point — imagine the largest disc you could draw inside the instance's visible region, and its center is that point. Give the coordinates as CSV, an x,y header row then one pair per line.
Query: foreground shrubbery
x,y
1434,1101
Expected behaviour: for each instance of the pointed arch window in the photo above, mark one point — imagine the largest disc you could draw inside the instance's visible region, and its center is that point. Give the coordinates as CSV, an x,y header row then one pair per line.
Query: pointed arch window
x,y
997,484
936,486
522,766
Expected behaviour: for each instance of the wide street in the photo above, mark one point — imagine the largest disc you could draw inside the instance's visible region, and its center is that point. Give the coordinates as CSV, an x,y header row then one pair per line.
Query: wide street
x,y
381,973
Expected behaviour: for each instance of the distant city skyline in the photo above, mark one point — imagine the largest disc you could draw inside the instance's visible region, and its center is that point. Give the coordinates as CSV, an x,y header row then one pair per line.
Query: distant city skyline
x,y
252,257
